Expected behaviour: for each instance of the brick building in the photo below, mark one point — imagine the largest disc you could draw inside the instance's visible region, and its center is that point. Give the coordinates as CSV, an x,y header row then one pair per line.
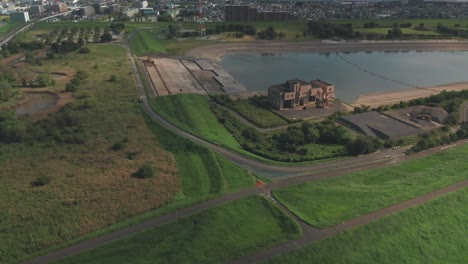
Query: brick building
x,y
297,93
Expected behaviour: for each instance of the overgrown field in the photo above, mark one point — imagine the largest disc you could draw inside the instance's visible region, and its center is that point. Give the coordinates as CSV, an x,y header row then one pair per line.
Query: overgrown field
x,y
214,236
75,172
330,201
434,232
87,184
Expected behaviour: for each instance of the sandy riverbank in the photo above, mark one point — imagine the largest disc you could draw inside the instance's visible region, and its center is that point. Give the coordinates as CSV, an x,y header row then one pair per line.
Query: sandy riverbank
x,y
394,97
214,52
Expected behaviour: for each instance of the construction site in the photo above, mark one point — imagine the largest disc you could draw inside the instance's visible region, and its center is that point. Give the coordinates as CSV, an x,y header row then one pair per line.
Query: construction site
x,y
169,76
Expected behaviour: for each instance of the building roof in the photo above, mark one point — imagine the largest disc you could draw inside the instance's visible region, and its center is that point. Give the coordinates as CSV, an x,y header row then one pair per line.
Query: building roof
x,y
320,82
279,88
375,124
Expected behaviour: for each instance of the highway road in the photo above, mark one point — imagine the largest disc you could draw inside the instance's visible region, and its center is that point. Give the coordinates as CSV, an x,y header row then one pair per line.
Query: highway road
x,y
310,173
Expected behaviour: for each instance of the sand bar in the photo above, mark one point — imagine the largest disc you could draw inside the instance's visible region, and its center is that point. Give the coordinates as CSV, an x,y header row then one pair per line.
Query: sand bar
x,y
394,97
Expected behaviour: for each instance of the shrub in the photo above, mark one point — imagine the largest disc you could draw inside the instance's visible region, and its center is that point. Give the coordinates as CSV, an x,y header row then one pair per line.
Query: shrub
x,y
113,78
118,146
146,171
84,50
41,181
71,87
132,155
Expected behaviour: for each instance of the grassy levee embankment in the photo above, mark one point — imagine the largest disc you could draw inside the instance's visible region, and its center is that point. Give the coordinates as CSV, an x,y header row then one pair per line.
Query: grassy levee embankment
x,y
214,236
204,174
148,41
330,201
435,232
192,113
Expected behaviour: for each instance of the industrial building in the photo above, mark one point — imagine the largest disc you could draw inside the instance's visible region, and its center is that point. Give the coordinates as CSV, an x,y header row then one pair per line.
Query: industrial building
x,y
298,93
19,16
246,13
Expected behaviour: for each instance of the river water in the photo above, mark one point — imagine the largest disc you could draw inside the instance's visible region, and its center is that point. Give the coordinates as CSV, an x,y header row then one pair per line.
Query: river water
x,y
352,74
37,102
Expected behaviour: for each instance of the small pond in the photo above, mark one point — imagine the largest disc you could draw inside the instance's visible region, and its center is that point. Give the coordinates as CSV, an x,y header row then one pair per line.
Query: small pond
x,y
37,102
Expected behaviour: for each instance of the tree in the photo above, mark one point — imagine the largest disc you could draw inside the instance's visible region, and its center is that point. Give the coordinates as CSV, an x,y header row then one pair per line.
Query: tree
x,y
44,79
364,145
106,37
395,33
5,91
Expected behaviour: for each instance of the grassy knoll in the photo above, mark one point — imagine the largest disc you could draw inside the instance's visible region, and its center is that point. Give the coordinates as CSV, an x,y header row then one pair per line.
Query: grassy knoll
x,y
330,201
434,232
192,113
213,236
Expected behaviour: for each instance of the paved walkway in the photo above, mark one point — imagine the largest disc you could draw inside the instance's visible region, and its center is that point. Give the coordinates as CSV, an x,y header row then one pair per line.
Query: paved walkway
x,y
315,235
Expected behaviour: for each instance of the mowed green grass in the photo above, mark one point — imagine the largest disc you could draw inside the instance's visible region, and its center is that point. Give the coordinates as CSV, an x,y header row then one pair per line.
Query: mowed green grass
x,y
148,41
214,236
192,113
435,232
329,201
257,115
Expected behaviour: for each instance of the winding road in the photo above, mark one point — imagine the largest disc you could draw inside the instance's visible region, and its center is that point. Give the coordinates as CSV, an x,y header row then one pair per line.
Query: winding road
x,y
307,173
